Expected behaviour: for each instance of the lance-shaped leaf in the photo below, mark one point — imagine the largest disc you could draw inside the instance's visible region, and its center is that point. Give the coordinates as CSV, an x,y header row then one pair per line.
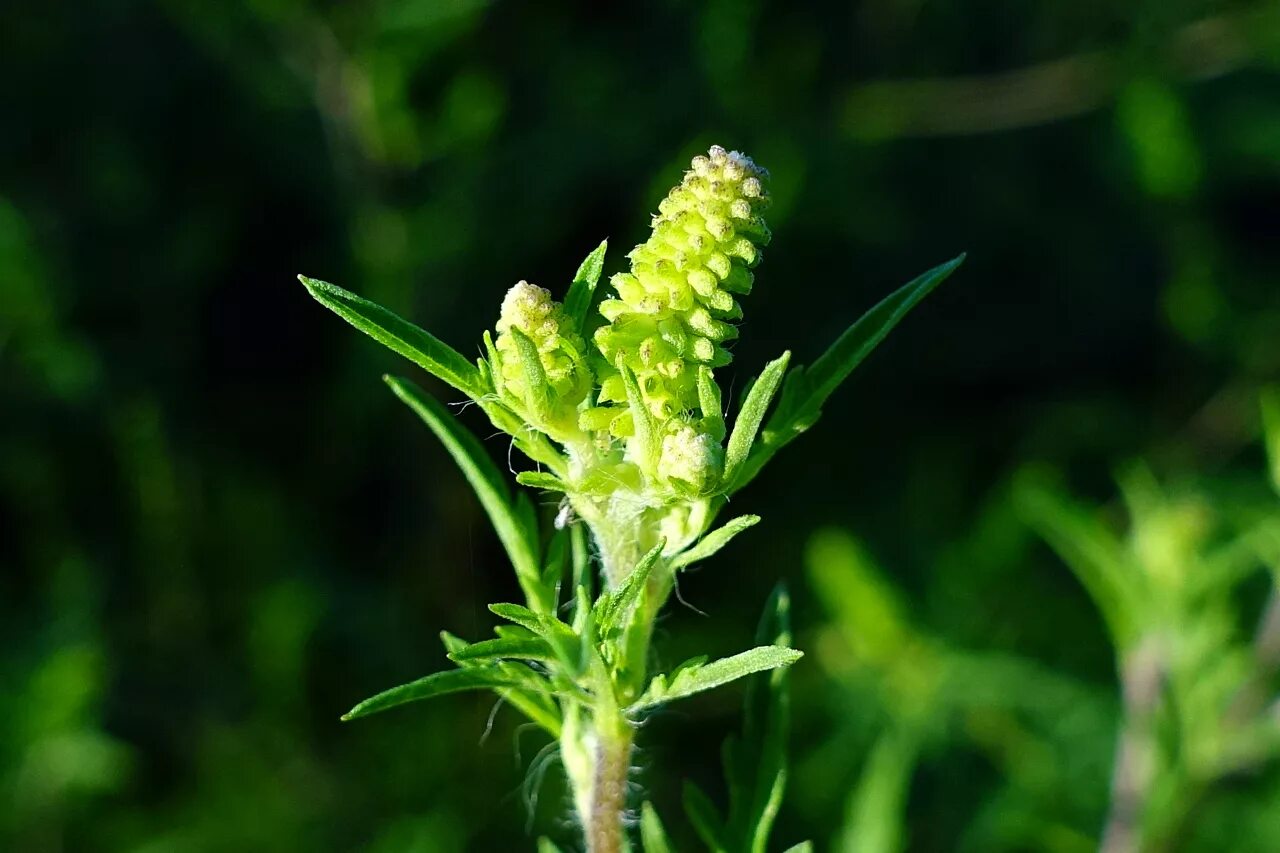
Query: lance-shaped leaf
x,y
537,391
645,437
689,679
750,416
713,542
438,684
653,834
527,648
541,480
563,641
394,332
613,607
577,302
705,818
711,403
513,519
807,389
532,698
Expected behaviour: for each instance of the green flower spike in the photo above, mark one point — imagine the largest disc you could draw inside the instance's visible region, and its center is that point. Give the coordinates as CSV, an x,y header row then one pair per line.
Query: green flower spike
x,y
540,370
673,310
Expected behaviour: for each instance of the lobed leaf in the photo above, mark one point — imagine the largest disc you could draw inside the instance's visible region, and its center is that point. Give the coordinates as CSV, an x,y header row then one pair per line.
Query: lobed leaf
x,y
399,335
437,684
512,519
807,389
711,543
577,302
688,680
750,416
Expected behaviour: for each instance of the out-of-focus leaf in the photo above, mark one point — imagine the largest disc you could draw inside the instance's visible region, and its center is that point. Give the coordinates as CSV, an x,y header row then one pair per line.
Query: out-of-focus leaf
x,y
392,331
688,679
513,520
653,834
437,684
1089,550
807,389
577,302
747,424
546,845
705,819
711,543
1271,432
866,609
876,811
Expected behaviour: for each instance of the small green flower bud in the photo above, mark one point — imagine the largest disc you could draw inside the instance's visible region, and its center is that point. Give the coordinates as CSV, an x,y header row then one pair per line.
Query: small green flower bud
x,y
691,461
673,309
531,311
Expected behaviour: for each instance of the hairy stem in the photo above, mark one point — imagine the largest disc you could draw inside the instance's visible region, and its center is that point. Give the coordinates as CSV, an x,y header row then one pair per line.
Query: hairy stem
x,y
604,825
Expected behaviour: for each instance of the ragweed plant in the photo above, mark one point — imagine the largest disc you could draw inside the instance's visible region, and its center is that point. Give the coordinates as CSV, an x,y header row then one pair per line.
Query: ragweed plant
x,y
621,413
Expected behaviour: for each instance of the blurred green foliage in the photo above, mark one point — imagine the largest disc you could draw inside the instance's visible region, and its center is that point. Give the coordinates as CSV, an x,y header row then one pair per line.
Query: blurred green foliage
x,y
220,531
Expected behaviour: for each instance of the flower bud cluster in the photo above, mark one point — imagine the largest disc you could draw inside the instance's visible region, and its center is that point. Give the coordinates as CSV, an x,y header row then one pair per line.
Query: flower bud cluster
x,y
530,311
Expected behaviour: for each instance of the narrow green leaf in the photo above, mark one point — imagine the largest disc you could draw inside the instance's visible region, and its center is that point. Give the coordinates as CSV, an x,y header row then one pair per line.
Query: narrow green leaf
x,y
713,542
875,813
1092,552
613,607
577,301
531,699
645,440
515,525
750,416
653,834
688,680
767,726
504,647
711,402
392,331
1271,431
562,639
546,845
807,389
705,818
541,480
438,684
802,847
537,391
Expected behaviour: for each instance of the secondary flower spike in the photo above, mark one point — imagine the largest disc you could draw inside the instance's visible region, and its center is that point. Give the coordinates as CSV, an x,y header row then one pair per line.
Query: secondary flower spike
x,y
529,311
673,310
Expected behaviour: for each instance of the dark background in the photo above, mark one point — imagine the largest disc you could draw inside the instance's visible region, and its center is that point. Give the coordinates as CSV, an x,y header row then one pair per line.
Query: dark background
x,y
221,531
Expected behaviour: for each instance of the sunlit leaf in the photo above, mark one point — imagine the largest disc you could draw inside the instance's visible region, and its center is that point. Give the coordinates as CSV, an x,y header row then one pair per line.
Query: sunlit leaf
x,y
652,833
688,680
713,541
512,518
807,389
613,607
577,301
399,335
438,684
533,648
747,424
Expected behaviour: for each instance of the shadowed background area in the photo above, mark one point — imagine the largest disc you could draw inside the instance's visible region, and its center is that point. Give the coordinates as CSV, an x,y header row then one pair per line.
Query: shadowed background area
x,y
221,531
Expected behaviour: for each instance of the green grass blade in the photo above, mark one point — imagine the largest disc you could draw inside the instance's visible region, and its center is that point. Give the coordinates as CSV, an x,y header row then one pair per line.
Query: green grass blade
x,y
713,542
518,535
437,684
399,335
577,302
747,424
807,389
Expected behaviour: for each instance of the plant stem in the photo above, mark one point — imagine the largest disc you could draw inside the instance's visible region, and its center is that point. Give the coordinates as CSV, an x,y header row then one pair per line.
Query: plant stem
x,y
604,825
1141,676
